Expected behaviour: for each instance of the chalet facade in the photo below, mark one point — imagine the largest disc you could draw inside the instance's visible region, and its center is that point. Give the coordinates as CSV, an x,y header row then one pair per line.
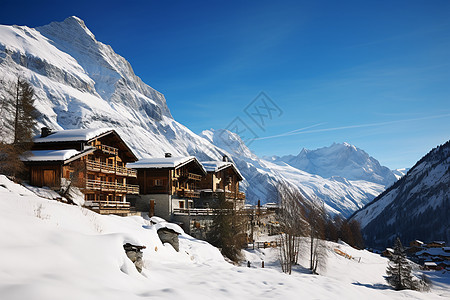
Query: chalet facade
x,y
222,179
94,160
167,184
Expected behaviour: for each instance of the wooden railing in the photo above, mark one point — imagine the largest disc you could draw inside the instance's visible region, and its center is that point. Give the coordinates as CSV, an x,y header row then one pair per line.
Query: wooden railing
x,y
271,244
191,176
240,196
109,207
111,187
188,194
107,149
96,166
195,211
228,195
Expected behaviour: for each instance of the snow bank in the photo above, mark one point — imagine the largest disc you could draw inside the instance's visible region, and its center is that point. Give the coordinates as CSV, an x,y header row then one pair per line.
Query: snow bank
x,y
50,250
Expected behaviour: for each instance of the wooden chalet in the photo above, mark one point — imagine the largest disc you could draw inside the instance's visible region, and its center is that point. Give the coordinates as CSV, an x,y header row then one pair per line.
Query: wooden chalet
x,y
222,178
94,160
167,184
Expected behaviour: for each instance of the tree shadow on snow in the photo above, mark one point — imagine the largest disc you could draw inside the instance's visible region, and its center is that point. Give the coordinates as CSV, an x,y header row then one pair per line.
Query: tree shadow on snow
x,y
376,286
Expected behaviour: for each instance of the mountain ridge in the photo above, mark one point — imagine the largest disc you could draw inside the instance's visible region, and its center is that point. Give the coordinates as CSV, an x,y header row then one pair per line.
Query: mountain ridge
x,y
80,82
417,206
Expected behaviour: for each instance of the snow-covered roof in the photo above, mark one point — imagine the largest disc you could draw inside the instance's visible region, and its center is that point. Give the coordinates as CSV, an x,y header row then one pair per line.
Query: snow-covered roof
x,y
49,155
72,135
164,162
434,252
54,155
216,166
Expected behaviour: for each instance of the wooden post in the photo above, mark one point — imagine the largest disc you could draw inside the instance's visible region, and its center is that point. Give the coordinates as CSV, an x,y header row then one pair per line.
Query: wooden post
x,y
152,208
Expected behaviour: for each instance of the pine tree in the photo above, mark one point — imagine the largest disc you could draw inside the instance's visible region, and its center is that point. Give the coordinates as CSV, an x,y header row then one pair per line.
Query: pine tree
x,y
399,269
25,114
17,121
227,229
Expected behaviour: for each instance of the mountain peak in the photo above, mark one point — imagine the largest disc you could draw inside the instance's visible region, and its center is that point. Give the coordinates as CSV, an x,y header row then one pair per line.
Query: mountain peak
x,y
71,26
341,159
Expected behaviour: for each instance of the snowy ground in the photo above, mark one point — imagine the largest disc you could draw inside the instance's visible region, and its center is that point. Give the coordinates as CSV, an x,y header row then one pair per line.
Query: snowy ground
x,y
51,250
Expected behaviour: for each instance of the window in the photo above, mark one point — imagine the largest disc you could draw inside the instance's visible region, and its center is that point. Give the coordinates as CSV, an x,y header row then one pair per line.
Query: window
x,y
181,204
158,182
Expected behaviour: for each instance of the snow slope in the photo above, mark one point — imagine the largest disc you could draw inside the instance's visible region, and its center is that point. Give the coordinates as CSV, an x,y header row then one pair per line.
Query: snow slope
x,y
51,250
80,82
415,207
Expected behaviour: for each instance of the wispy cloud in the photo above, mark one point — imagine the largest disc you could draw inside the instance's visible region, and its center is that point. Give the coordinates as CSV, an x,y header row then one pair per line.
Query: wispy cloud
x,y
303,130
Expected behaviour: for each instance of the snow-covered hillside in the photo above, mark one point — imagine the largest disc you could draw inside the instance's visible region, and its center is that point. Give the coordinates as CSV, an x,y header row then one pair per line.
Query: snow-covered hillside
x,y
342,160
51,250
415,207
82,83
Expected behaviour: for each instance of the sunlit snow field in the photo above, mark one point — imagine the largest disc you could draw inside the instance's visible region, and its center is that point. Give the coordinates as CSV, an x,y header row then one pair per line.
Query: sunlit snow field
x,y
51,250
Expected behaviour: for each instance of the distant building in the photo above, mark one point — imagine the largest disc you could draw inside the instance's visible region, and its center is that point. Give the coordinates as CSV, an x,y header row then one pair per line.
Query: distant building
x,y
416,243
436,244
388,252
167,184
222,179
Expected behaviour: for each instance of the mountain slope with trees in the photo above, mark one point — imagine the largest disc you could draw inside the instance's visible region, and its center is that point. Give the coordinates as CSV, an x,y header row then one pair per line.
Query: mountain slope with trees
x,y
415,207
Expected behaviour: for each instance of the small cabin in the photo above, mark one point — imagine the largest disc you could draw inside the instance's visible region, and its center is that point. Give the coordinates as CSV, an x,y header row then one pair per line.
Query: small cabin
x,y
167,184
93,160
388,252
222,178
436,244
416,243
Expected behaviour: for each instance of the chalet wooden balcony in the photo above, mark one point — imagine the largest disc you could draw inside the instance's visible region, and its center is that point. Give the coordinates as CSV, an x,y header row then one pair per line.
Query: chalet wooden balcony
x,y
108,149
240,196
228,195
188,194
109,207
96,166
191,176
104,186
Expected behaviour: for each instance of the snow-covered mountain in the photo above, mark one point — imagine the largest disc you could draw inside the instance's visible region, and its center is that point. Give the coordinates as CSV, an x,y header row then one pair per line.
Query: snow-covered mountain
x,y
342,160
80,82
339,194
399,173
415,207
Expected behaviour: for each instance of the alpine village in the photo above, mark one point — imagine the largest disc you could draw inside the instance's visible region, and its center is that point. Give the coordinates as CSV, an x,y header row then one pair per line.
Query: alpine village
x,y
103,195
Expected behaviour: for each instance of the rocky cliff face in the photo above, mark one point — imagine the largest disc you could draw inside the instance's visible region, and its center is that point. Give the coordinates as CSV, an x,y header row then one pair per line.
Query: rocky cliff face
x,y
415,207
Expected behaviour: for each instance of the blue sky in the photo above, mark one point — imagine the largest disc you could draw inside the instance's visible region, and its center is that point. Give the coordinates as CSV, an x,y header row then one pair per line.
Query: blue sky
x,y
375,74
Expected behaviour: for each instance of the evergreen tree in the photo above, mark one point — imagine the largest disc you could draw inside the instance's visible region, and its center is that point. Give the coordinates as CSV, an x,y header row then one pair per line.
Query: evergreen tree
x,y
228,229
25,114
17,121
399,269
